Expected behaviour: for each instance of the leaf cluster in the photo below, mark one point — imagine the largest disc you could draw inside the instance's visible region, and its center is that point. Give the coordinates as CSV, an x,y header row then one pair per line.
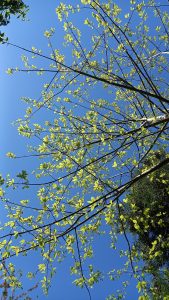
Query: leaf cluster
x,y
146,212
8,8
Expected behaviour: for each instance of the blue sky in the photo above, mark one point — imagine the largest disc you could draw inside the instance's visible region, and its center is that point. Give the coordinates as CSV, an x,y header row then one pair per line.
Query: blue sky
x,y
41,16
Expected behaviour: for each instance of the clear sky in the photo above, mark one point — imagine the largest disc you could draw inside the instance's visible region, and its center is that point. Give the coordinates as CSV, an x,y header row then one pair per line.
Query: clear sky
x,y
41,17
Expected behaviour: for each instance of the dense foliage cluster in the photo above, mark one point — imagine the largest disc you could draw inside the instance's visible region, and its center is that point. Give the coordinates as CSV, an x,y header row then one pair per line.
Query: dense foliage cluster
x,y
148,213
8,8
95,132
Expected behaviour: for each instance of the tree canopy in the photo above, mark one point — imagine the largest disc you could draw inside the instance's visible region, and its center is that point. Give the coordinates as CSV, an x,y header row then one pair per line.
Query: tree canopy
x,y
8,8
146,212
97,131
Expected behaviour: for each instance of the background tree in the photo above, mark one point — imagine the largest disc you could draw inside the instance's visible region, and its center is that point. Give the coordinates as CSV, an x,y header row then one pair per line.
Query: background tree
x,y
102,114
149,197
8,8
147,214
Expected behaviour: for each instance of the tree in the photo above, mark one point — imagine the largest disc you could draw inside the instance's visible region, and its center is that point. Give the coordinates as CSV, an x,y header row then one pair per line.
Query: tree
x,y
8,8
149,197
146,212
101,116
